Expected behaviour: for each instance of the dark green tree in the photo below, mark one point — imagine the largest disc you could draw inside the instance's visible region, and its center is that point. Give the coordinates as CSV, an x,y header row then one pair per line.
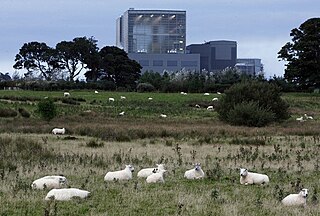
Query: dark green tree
x,y
75,54
303,55
47,109
37,58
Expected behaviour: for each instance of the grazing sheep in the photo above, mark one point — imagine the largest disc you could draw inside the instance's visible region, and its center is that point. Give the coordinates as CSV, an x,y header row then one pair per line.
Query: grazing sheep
x,y
49,182
247,177
218,93
58,130
206,94
183,93
308,117
66,194
156,176
111,99
210,108
144,173
121,114
215,99
96,92
195,173
197,106
66,94
299,199
123,97
163,116
300,119
125,174
150,98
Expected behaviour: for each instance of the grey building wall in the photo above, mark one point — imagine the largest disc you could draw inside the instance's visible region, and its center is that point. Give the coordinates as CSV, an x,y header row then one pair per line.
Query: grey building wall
x,y
252,66
167,62
215,55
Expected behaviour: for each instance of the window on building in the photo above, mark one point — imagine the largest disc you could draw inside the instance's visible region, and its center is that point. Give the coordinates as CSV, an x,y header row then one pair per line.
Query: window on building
x,y
172,63
144,62
157,63
189,64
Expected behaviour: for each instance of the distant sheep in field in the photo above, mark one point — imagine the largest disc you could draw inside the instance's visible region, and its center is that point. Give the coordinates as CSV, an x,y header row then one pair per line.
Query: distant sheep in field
x,y
163,116
218,93
183,93
247,177
144,173
206,94
123,97
49,182
66,194
300,119
299,199
156,176
215,99
195,173
197,106
150,98
125,174
58,131
111,99
210,108
308,117
121,114
66,94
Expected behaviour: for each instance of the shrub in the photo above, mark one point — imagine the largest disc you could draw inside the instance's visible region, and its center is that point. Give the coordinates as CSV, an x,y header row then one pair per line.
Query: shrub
x,y
252,103
7,112
145,87
47,109
24,113
70,101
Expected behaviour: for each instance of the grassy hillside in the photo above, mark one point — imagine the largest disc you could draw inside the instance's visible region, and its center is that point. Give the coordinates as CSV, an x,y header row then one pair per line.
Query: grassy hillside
x,y
287,152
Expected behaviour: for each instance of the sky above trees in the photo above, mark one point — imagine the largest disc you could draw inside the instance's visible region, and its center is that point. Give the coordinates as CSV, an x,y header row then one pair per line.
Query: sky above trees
x,y
260,27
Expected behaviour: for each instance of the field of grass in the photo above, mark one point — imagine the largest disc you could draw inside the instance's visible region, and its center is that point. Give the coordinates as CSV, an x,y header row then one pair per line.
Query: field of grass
x,y
99,141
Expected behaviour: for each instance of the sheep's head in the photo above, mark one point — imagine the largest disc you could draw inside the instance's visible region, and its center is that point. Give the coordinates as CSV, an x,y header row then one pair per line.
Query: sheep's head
x,y
130,167
243,172
197,166
304,193
63,180
160,166
155,170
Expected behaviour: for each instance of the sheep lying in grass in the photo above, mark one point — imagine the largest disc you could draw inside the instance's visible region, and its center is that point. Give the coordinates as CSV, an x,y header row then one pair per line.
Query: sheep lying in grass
x,y
121,113
111,99
144,173
125,174
66,94
49,182
299,199
206,94
122,97
215,99
66,194
96,92
210,108
247,177
58,131
150,98
195,173
163,115
156,176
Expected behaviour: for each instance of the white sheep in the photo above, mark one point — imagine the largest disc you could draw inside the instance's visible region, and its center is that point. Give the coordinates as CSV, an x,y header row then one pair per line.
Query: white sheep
x,y
195,173
150,98
197,106
144,173
66,94
247,177
111,99
210,108
123,97
156,176
49,182
218,93
163,116
66,194
308,117
299,199
121,114
183,93
215,99
58,130
300,119
125,174
206,94
96,92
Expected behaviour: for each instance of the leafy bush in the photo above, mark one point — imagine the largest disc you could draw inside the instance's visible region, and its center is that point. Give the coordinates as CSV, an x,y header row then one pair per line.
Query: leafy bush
x,y
252,103
24,113
145,87
47,109
7,112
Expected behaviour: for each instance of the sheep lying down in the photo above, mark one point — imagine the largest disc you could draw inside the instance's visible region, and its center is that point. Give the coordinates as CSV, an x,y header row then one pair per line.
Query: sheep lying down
x,y
49,182
125,174
247,178
66,194
144,173
299,199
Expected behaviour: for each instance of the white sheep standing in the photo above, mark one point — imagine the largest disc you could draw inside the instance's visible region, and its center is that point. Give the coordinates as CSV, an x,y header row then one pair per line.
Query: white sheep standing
x,y
49,182
58,130
122,97
247,177
96,92
125,174
111,99
66,94
66,194
144,173
156,176
121,114
163,115
296,199
195,173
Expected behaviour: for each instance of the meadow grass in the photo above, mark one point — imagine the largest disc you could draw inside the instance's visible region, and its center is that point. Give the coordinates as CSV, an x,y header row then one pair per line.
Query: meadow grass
x,y
99,141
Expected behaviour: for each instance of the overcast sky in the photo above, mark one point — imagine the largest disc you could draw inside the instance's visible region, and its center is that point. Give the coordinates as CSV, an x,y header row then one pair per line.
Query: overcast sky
x,y
260,27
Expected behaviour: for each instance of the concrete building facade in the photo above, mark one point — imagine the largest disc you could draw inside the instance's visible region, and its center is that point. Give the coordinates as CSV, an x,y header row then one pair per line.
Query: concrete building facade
x,y
250,66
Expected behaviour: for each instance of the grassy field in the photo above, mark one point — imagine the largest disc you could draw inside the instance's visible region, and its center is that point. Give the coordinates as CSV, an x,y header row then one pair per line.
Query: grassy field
x,y
288,152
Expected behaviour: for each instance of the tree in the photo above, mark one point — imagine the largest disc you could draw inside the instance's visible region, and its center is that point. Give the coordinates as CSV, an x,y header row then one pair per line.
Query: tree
x,y
303,55
74,55
117,67
37,57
